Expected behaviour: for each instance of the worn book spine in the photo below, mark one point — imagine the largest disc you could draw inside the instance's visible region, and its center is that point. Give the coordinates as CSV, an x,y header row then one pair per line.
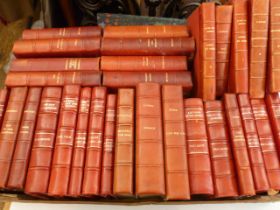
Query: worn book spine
x,y
24,140
4,96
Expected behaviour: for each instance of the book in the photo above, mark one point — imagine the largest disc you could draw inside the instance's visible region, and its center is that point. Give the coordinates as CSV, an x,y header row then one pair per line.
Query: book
x,y
20,161
79,149
9,131
175,150
149,158
124,144
4,96
253,144
223,171
147,46
144,63
200,172
37,179
64,141
203,28
92,168
106,185
239,146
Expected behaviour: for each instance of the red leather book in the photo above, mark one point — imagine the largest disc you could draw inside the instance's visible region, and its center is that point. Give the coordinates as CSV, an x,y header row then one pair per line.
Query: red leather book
x,y
131,79
239,65
147,46
203,28
271,159
83,78
37,179
64,47
24,140
92,169
147,31
106,185
144,63
149,159
253,144
258,47
175,149
52,33
54,64
223,171
79,150
124,144
201,181
4,96
239,147
9,131
223,41
62,155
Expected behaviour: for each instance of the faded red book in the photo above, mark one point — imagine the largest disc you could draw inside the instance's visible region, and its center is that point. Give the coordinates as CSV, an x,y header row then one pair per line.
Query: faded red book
x,y
106,185
37,179
62,154
253,144
144,63
79,150
149,159
223,172
202,23
92,169
64,47
200,172
4,96
239,146
24,140
147,46
9,131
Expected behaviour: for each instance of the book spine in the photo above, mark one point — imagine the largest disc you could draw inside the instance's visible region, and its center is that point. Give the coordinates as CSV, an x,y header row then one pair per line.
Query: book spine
x,y
37,179
149,171
223,171
42,79
124,147
174,135
239,147
9,131
4,96
24,140
106,186
79,150
91,180
253,144
198,149
62,154
271,159
144,63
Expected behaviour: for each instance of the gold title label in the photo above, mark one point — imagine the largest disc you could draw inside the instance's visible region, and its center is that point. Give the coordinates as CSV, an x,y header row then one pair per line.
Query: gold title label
x,y
73,64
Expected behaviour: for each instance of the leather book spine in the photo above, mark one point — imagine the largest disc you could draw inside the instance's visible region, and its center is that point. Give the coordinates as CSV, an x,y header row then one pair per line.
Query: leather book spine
x,y
144,63
239,146
124,144
54,64
201,181
62,47
70,32
92,169
24,140
223,42
147,46
149,159
37,179
223,171
62,154
9,131
253,144
269,150
42,79
106,185
175,149
4,96
79,150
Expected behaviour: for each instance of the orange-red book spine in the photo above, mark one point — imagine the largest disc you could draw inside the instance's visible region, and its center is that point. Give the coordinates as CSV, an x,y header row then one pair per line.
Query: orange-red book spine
x,y
4,96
